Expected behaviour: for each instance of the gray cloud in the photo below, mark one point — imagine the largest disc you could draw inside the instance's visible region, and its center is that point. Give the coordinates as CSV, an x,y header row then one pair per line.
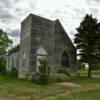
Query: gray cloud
x,y
70,12
93,10
95,0
6,3
7,15
79,11
90,1
15,33
16,1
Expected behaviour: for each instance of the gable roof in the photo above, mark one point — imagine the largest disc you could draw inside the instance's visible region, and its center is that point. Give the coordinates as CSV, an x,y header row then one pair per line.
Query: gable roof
x,y
59,23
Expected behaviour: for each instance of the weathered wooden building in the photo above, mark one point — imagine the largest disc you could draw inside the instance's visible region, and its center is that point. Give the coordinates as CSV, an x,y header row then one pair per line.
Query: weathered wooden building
x,y
43,38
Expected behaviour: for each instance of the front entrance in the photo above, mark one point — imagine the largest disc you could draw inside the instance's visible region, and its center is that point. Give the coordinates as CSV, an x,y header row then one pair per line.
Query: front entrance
x,y
41,54
65,60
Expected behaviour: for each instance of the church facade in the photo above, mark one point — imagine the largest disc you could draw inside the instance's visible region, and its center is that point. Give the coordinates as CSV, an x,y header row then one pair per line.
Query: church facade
x,y
42,38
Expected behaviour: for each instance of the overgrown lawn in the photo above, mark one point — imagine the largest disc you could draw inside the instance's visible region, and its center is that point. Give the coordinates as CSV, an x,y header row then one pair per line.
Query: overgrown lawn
x,y
79,88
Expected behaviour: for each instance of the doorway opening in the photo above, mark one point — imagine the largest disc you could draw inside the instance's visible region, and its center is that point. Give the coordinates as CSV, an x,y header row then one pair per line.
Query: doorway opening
x,y
65,60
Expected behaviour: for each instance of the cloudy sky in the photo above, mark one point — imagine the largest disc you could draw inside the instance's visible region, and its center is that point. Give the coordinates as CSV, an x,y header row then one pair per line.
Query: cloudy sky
x,y
69,12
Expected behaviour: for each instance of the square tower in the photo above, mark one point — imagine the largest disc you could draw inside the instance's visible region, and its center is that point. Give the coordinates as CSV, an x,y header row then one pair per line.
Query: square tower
x,y
36,42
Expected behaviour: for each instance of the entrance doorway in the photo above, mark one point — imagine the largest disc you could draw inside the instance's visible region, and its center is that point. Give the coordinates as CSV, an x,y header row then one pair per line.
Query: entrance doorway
x,y
41,54
65,60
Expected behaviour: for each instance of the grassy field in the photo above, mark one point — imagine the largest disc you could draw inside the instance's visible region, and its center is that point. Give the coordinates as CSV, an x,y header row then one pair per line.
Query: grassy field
x,y
79,88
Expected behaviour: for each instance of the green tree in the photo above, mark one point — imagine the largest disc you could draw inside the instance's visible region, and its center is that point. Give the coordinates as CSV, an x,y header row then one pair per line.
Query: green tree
x,y
87,39
5,42
14,49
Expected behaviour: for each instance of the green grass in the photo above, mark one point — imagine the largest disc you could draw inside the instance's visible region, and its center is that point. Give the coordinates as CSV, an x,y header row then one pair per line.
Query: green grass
x,y
15,89
12,88
89,88
83,95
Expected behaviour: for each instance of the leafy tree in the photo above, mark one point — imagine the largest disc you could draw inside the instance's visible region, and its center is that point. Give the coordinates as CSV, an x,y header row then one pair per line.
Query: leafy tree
x,y
5,42
14,49
80,65
87,39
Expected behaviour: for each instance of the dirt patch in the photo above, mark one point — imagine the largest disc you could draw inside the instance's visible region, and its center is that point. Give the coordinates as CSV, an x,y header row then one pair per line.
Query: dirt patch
x,y
69,84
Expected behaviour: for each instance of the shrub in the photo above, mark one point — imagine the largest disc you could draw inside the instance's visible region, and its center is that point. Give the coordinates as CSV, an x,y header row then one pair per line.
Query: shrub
x,y
64,71
13,72
44,71
59,78
96,66
80,65
2,67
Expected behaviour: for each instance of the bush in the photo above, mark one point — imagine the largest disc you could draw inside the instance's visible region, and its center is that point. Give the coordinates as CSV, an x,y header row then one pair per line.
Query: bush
x,y
2,67
96,66
44,71
64,71
13,72
80,65
59,78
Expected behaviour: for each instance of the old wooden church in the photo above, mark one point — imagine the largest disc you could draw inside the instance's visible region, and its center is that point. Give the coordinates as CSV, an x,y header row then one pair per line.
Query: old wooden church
x,y
42,38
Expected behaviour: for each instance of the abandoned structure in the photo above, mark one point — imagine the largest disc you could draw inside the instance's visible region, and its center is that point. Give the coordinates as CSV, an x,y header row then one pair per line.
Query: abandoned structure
x,y
43,38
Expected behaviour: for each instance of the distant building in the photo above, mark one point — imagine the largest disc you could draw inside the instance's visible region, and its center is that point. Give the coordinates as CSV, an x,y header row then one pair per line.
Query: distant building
x,y
43,38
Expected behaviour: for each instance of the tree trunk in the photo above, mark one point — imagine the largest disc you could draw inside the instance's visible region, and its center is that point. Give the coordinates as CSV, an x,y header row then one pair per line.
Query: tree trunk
x,y
90,68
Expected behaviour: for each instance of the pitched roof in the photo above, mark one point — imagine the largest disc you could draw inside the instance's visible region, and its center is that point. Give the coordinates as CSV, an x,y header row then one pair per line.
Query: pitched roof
x,y
57,21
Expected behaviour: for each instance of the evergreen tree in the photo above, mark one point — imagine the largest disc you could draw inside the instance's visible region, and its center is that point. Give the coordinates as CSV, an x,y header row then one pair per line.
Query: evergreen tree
x,y
87,39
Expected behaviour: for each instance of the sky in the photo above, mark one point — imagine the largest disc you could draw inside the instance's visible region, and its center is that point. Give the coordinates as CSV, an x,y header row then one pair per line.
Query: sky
x,y
69,12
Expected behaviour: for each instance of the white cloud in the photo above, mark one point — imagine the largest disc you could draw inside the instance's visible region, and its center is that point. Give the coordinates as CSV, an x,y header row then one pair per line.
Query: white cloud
x,y
70,12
